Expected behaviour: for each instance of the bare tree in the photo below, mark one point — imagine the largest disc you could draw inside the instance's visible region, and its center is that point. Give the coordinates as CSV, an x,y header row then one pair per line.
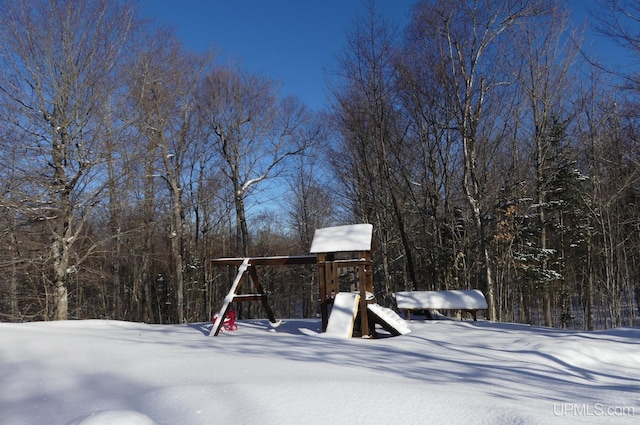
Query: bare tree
x,y
253,132
369,154
433,161
619,21
164,87
468,35
58,66
310,205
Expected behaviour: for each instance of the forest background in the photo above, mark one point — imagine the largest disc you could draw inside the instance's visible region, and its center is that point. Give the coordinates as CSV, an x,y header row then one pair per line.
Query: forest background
x,y
485,143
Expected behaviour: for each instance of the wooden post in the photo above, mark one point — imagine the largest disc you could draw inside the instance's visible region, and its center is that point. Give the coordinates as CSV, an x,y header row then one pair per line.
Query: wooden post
x,y
262,294
362,287
328,284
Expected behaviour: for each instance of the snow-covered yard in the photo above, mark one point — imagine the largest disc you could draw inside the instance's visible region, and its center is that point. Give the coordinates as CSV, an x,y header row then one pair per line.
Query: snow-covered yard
x,y
110,372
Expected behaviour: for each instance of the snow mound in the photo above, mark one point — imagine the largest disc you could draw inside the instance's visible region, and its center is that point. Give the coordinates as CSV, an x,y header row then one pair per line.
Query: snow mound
x,y
114,417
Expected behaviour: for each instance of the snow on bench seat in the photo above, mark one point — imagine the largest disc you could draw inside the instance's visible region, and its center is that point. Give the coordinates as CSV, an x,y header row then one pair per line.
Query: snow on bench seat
x,y
470,300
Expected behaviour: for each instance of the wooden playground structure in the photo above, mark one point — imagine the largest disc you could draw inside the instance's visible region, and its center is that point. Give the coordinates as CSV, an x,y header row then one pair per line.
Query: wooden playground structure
x,y
332,249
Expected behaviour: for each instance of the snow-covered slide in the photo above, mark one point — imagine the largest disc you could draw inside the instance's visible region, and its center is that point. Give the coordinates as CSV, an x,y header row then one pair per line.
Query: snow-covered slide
x,y
343,314
389,319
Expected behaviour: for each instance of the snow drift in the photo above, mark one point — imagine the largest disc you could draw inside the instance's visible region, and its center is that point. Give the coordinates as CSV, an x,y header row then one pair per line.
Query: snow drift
x,y
108,372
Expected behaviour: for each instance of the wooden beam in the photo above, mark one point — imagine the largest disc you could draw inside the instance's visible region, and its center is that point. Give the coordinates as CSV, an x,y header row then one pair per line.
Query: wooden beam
x,y
284,260
348,263
240,298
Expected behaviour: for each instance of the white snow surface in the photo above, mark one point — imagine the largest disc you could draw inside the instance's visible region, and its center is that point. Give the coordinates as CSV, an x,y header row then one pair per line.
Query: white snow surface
x,y
443,372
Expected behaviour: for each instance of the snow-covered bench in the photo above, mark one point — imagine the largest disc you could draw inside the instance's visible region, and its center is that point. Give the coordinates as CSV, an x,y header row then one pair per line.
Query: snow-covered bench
x,y
466,300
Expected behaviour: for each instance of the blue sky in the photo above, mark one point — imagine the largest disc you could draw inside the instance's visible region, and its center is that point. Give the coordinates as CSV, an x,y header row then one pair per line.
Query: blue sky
x,y
295,42
292,41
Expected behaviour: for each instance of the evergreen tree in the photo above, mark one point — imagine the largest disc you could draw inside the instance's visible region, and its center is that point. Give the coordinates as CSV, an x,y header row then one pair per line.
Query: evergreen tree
x,y
558,227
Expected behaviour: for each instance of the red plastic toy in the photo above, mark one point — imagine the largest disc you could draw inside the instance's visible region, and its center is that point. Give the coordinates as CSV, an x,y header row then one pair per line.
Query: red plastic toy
x,y
229,322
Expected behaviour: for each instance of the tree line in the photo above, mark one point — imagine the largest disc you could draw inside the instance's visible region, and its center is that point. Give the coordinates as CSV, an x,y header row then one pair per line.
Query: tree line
x,y
483,141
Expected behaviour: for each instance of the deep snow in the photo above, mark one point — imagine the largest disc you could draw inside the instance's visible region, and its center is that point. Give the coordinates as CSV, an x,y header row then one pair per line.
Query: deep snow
x,y
444,372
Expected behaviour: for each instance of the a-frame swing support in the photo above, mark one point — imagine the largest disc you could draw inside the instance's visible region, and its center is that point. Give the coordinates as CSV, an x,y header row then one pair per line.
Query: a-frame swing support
x,y
246,266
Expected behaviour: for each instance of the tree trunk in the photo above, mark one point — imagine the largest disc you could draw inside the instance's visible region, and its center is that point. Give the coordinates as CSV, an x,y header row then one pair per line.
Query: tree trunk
x,y
60,266
176,251
547,291
115,230
62,233
488,273
13,284
472,194
242,230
